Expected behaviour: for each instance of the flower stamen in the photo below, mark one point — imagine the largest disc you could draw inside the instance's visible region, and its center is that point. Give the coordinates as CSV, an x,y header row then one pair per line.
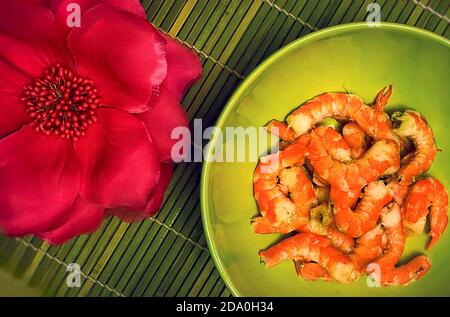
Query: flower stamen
x,y
61,102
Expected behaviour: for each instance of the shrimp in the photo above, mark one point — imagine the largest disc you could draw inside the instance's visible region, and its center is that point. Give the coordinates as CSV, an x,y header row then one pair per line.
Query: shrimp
x,y
357,222
280,213
333,141
356,138
407,273
399,192
335,145
316,220
391,219
322,194
427,196
313,248
384,268
312,271
281,130
374,121
276,208
413,125
382,158
368,247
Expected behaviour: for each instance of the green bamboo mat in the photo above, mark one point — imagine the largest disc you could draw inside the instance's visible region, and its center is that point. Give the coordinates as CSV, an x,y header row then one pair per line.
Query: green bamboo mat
x,y
167,255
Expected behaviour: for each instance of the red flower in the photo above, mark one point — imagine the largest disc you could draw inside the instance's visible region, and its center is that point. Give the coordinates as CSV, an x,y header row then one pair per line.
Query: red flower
x,y
86,115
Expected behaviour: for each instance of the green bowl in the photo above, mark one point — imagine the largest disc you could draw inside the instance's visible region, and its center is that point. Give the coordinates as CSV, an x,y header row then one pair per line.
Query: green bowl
x,y
355,58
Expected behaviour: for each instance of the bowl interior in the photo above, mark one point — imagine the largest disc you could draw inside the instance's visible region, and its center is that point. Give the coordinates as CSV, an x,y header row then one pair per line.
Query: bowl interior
x,y
354,58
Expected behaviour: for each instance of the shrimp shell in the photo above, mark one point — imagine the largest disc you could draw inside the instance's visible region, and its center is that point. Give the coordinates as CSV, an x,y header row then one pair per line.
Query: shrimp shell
x,y
414,126
389,274
428,196
313,248
373,121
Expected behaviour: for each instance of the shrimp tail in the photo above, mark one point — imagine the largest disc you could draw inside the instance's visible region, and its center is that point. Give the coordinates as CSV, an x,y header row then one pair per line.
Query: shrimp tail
x,y
312,271
383,98
405,274
281,130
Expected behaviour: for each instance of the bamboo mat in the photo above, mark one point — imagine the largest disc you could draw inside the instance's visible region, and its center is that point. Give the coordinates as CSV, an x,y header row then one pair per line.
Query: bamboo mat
x,y
167,255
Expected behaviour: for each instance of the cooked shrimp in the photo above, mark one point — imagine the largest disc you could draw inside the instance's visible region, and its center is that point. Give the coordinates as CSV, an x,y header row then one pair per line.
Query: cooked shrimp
x,y
281,130
382,158
389,274
281,213
373,121
275,206
399,192
383,98
313,248
312,271
318,220
392,221
335,145
407,273
357,222
368,247
427,196
356,138
414,126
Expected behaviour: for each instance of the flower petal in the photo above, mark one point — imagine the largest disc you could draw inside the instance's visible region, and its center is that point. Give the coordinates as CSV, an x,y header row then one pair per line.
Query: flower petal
x,y
154,203
125,57
157,196
119,163
29,43
39,180
83,218
183,68
12,110
161,120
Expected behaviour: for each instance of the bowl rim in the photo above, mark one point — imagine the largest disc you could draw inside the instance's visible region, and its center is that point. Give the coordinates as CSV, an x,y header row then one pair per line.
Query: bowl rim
x,y
246,83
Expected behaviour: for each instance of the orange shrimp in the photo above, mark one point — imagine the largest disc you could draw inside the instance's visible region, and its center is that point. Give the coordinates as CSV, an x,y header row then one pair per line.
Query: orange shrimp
x,y
313,248
276,208
405,274
391,219
335,144
357,222
389,274
302,198
382,158
311,271
316,220
399,192
427,196
281,130
356,138
373,121
368,247
414,126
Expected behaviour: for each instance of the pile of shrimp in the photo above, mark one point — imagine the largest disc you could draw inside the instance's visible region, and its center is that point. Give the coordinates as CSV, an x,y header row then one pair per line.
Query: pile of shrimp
x,y
350,196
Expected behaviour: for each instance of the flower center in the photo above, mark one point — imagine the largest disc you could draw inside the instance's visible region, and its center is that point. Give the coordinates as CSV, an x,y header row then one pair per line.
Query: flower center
x,y
61,102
